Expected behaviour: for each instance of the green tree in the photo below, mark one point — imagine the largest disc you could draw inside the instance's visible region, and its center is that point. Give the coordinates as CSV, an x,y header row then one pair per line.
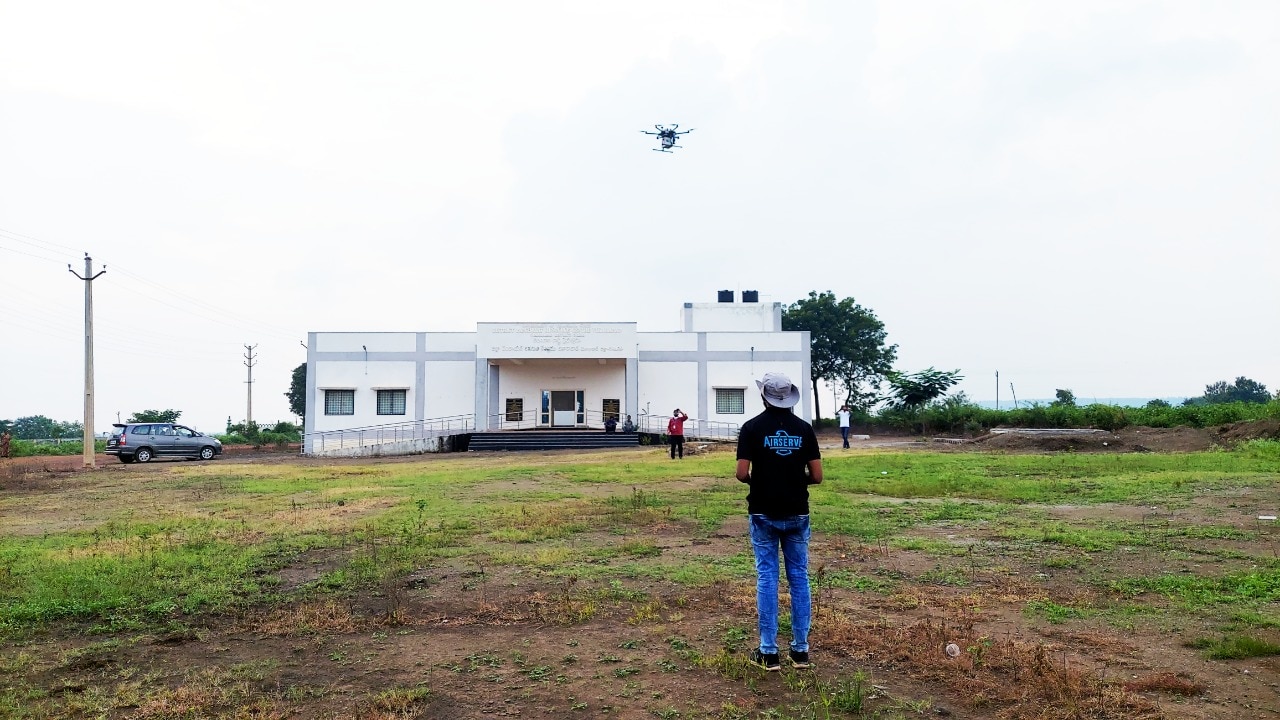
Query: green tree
x,y
39,427
915,390
1065,398
69,430
1157,403
1242,390
34,427
846,346
159,416
298,391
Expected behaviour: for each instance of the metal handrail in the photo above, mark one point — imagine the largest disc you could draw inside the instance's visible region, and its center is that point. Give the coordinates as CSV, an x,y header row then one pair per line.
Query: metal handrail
x,y
694,428
531,419
329,440
319,441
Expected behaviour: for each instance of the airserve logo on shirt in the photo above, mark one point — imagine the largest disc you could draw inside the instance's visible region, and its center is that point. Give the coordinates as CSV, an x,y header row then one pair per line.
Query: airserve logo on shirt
x,y
782,443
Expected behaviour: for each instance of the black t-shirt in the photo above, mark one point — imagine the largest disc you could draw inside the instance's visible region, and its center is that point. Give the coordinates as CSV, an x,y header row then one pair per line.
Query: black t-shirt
x,y
779,446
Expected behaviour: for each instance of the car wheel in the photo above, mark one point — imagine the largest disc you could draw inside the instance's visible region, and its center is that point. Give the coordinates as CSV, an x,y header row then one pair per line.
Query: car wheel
x,y
206,453
142,455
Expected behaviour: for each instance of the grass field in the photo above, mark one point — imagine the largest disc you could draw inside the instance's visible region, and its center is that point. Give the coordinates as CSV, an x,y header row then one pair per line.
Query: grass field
x,y
620,584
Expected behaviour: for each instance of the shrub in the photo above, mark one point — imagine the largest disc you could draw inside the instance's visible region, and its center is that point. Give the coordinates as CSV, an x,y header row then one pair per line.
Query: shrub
x,y
251,433
30,448
1106,417
957,414
1261,449
280,440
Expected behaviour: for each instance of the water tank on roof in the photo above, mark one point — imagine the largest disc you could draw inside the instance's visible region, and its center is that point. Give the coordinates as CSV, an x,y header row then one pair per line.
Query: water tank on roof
x,y
750,296
724,296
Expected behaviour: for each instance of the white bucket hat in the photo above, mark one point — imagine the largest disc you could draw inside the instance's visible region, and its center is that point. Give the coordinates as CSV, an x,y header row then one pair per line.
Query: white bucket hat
x,y
778,390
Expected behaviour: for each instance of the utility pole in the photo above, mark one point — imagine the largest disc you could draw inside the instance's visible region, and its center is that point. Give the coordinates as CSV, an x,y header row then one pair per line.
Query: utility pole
x,y
249,362
88,279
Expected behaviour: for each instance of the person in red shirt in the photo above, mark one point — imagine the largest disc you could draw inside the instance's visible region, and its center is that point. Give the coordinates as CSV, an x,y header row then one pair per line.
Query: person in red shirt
x,y
675,433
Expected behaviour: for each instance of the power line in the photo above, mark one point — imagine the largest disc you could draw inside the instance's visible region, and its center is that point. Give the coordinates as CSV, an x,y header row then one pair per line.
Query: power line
x,y
38,257
51,325
229,319
35,241
211,308
43,319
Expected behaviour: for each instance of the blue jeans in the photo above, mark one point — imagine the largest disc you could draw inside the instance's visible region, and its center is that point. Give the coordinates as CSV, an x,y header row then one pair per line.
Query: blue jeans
x,y
844,434
792,535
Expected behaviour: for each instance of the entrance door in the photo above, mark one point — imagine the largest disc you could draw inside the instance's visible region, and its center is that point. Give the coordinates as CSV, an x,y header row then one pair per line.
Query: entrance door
x,y
562,408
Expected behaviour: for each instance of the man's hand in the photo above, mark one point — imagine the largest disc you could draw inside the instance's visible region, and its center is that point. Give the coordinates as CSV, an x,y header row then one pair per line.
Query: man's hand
x,y
815,472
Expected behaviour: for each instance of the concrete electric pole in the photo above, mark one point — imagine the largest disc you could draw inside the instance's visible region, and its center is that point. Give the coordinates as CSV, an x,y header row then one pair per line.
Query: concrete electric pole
x,y
249,362
88,279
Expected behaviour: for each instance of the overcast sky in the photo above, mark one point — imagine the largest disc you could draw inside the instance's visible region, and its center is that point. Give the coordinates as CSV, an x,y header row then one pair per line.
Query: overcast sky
x,y
1078,195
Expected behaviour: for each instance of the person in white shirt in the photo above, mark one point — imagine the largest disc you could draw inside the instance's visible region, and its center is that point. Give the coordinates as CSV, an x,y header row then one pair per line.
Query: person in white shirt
x,y
844,424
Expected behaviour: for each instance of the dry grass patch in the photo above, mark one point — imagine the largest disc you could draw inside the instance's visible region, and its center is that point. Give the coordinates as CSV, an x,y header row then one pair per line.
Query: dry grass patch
x,y
210,693
309,619
1008,676
1166,682
393,704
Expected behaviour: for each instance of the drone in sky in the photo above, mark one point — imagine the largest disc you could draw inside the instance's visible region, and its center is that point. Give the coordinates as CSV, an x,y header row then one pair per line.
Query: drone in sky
x,y
667,137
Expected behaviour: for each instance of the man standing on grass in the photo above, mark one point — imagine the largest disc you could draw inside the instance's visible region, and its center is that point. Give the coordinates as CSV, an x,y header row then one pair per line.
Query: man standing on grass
x,y
778,457
4,443
844,424
675,433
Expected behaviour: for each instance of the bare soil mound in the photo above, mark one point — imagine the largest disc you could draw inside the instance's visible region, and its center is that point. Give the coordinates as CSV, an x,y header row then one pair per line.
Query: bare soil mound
x,y
1015,441
1131,439
1267,429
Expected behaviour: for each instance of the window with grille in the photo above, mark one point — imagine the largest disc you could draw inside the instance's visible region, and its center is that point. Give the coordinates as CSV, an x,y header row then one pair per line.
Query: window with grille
x,y
515,409
730,401
339,402
391,402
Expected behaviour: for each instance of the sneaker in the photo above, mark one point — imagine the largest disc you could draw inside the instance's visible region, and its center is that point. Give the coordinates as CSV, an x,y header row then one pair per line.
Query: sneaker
x,y
768,661
800,659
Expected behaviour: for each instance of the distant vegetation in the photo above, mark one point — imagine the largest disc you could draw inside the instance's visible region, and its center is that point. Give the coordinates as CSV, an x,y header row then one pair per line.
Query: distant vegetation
x,y
155,416
39,427
38,435
28,448
250,433
957,414
1242,390
1221,404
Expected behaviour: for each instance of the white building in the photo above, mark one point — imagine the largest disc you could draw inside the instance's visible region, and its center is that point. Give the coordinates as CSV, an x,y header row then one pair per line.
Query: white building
x,y
552,375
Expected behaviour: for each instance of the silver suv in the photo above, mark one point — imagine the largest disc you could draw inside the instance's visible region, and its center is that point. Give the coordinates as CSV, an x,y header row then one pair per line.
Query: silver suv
x,y
143,441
